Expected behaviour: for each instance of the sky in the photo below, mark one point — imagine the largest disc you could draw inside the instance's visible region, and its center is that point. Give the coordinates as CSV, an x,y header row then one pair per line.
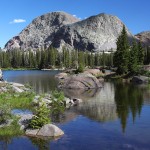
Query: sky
x,y
15,15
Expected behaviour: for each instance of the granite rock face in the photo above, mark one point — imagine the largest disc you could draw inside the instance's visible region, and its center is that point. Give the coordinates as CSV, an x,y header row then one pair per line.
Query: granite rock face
x,y
144,37
97,33
59,29
80,81
41,31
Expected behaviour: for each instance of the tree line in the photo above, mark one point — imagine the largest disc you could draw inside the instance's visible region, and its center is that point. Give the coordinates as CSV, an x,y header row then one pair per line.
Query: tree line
x,y
52,58
129,58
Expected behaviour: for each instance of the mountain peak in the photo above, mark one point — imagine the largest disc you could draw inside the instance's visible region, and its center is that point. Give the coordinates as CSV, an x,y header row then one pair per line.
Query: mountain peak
x,y
59,29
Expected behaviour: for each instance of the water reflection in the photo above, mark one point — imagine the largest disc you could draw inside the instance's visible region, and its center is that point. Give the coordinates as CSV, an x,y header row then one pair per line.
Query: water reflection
x,y
113,101
129,99
41,81
41,144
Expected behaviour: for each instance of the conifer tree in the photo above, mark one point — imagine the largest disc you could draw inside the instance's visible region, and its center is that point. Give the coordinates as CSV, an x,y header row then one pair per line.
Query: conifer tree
x,y
133,58
121,56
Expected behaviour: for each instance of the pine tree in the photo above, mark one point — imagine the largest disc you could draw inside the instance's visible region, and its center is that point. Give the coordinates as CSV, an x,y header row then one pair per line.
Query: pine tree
x,y
140,54
133,57
121,56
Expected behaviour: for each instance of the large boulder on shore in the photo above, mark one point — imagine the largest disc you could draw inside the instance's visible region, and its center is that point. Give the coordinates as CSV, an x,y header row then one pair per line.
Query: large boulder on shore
x,y
140,79
94,72
48,130
80,81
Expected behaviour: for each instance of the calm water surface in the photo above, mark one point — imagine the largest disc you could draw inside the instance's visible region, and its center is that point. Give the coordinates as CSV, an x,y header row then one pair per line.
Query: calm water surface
x,y
115,117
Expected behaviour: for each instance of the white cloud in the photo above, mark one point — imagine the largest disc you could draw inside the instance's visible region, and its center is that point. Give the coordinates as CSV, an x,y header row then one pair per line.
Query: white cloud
x,y
17,21
77,17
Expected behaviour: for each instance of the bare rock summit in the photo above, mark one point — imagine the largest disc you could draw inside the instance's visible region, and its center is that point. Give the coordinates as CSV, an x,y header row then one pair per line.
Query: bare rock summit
x,y
59,29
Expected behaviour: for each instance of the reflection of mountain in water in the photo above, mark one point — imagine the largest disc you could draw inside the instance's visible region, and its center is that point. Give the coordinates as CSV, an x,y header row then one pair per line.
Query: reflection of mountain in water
x,y
114,100
98,104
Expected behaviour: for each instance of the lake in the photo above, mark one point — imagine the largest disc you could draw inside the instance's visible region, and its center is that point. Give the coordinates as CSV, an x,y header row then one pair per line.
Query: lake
x,y
115,117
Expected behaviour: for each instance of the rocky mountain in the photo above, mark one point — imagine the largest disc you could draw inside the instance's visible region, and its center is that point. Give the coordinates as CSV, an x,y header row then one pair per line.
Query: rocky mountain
x,y
59,29
41,31
144,37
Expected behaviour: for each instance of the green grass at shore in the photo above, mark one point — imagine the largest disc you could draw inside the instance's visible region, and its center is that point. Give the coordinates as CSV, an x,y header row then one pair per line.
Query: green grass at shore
x,y
17,100
12,130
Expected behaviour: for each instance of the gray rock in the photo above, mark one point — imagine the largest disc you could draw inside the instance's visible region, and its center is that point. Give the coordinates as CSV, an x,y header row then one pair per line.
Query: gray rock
x,y
59,29
17,84
50,130
140,79
81,81
41,31
144,37
6,124
61,75
97,33
24,120
32,132
18,90
94,72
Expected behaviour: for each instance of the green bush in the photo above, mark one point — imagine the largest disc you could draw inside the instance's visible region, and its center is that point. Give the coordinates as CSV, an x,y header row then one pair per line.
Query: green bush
x,y
42,117
5,113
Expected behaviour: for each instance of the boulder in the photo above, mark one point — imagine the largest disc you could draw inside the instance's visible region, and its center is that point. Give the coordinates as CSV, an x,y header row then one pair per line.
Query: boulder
x,y
16,84
6,124
94,72
17,90
32,132
48,130
61,75
81,81
140,79
24,120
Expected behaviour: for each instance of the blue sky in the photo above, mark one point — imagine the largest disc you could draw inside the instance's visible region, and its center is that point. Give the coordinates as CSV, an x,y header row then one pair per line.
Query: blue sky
x,y
17,14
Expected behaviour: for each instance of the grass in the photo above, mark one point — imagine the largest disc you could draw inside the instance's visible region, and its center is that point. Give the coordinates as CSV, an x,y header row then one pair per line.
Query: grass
x,y
11,131
17,100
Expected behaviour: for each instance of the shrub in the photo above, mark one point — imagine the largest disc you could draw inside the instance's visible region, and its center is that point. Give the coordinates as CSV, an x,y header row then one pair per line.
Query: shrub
x,y
5,113
41,117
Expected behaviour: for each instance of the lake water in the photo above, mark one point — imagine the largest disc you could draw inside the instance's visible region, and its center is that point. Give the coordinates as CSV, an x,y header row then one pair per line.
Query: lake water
x,y
115,117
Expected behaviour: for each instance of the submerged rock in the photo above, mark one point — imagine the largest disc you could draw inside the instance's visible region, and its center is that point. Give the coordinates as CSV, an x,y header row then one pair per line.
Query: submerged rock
x,y
140,79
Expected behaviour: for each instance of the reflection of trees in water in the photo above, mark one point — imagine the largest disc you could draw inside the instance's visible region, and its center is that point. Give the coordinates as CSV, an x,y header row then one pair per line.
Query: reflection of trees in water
x,y
41,144
129,99
4,142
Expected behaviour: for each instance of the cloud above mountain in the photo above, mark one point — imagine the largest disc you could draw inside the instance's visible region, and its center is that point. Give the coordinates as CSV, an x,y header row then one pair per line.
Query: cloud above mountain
x,y
17,21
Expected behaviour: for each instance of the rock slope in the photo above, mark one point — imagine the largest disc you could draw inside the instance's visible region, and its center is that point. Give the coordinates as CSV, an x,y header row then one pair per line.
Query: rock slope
x,y
144,37
59,29
41,31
